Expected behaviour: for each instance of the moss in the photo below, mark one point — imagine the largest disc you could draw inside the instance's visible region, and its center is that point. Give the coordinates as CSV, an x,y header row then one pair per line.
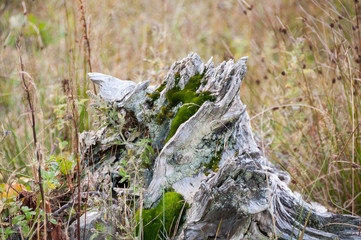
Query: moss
x,y
177,78
160,118
156,94
164,110
153,227
170,114
213,164
236,153
162,115
161,87
191,101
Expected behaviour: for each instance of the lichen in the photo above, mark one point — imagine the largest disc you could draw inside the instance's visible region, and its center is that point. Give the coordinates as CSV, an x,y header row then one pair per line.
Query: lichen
x,y
153,225
191,101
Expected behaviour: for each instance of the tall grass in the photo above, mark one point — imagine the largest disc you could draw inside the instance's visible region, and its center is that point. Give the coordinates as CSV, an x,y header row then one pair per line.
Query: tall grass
x,y
312,126
302,88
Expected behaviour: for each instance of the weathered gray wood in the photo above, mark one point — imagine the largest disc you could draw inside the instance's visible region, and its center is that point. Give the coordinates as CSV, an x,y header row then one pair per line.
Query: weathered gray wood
x,y
246,197
112,88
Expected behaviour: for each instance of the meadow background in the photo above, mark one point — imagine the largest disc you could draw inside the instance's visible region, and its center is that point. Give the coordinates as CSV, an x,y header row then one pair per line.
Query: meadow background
x,y
302,89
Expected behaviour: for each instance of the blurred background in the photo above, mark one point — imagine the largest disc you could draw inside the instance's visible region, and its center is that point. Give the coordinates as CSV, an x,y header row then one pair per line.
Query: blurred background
x,y
302,89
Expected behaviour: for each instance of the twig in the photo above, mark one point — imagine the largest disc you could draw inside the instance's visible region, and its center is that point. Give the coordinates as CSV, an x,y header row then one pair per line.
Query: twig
x,y
71,202
219,226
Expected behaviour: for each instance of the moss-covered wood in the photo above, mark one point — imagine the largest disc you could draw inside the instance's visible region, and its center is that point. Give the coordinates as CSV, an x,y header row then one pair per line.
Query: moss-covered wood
x,y
161,222
156,94
191,101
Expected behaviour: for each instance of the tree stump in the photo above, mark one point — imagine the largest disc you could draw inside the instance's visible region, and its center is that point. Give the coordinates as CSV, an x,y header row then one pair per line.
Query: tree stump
x,y
206,152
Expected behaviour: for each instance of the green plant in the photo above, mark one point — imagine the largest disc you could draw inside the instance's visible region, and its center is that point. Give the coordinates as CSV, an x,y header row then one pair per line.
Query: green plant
x,y
23,219
136,159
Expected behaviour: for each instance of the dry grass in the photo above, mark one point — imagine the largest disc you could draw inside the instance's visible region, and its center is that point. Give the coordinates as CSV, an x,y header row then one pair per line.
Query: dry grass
x,y
302,88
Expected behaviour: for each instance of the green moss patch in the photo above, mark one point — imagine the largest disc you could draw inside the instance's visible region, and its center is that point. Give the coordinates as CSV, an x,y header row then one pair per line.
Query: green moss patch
x,y
156,94
191,101
171,207
177,77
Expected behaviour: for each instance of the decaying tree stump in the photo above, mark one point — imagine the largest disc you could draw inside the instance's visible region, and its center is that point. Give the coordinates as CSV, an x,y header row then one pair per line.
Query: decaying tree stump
x,y
207,153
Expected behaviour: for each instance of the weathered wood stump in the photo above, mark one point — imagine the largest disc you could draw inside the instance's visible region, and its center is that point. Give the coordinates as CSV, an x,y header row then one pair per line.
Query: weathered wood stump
x,y
207,153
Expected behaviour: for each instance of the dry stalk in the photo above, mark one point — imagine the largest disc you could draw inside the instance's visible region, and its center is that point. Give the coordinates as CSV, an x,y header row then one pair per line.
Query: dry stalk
x,y
87,47
68,88
33,125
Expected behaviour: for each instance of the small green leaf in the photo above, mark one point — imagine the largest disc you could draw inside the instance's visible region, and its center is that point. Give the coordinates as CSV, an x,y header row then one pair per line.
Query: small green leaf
x,y
17,219
9,231
25,230
63,144
53,221
25,209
